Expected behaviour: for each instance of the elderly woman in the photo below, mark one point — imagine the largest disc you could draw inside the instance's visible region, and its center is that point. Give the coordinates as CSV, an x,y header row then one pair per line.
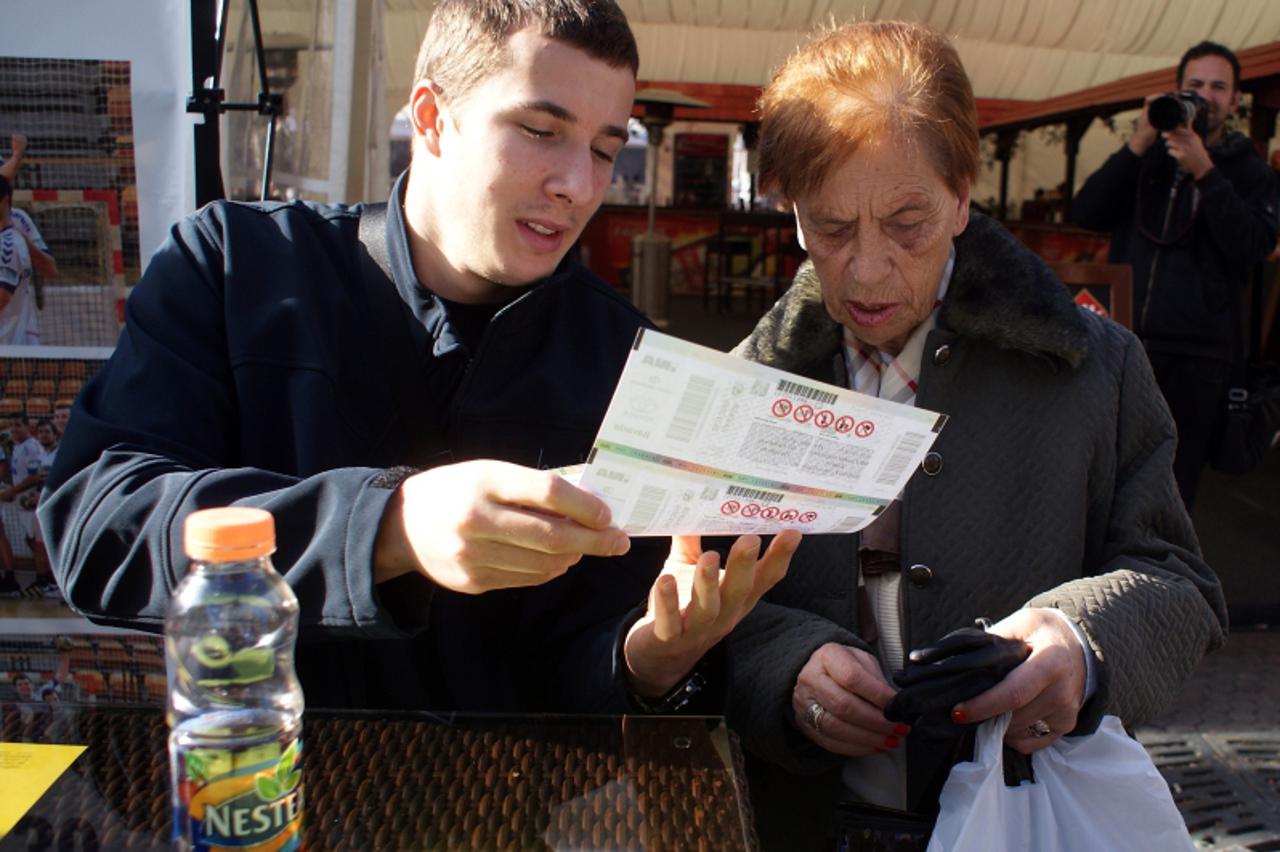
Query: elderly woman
x,y
1047,503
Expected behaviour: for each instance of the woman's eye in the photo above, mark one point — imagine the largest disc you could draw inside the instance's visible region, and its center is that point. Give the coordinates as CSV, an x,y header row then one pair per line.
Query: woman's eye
x,y
603,156
535,132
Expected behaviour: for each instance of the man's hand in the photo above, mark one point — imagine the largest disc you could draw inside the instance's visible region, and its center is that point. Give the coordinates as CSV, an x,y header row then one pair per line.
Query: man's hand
x,y
1144,135
848,685
693,605
1048,686
1186,146
18,143
483,525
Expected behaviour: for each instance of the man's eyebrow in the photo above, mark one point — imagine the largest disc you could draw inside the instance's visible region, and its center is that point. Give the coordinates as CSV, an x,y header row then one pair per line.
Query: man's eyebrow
x,y
559,113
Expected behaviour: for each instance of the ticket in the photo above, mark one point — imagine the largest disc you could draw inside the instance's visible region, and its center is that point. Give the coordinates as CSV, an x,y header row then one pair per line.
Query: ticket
x,y
696,441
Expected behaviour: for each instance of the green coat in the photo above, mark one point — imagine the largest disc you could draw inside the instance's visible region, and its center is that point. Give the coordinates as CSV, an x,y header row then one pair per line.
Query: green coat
x,y
1054,489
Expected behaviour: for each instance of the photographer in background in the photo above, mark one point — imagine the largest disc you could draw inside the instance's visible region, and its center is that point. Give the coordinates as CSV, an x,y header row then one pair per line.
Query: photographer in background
x,y
1191,208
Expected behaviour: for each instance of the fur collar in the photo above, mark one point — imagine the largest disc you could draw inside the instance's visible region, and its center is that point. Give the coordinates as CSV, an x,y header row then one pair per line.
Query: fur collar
x,y
1000,292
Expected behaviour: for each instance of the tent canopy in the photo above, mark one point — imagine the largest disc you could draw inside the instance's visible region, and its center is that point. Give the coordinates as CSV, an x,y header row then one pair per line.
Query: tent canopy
x,y
1019,49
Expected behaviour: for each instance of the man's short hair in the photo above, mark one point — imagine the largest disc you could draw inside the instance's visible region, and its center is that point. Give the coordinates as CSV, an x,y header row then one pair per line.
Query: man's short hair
x,y
1211,48
467,39
892,80
6,188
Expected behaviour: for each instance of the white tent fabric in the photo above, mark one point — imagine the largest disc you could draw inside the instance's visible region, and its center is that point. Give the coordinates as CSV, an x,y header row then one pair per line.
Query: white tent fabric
x,y
1016,49
1023,49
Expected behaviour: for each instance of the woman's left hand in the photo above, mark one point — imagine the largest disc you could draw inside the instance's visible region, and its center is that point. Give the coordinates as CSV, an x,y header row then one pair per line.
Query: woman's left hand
x,y
1047,687
693,605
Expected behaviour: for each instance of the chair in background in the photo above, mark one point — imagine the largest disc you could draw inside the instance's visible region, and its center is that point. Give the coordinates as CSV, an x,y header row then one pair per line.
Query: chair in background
x,y
770,239
39,406
1109,284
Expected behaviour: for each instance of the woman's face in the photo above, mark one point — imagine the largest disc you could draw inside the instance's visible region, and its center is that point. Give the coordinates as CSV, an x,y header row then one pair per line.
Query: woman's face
x,y
879,232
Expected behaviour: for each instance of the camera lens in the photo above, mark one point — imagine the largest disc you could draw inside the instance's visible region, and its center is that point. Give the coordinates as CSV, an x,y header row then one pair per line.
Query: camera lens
x,y
1168,112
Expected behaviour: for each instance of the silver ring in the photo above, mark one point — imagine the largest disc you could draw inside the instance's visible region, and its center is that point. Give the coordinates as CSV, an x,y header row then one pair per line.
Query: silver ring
x,y
814,716
1039,728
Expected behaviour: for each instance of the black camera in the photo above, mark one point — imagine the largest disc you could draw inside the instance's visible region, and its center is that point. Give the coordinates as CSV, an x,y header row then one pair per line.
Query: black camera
x,y
1178,108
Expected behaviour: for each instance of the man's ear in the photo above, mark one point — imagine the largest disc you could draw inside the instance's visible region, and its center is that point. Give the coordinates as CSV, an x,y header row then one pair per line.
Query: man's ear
x,y
427,114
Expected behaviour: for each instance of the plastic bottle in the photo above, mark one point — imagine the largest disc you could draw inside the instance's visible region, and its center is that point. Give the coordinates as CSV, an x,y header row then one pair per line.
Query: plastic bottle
x,y
235,706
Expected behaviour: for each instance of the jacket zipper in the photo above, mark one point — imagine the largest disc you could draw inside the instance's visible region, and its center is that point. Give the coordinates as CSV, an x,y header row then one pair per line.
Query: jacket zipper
x,y
1155,259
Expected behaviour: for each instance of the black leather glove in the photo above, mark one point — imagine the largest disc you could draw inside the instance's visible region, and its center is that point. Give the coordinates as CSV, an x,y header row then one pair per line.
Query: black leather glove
x,y
960,665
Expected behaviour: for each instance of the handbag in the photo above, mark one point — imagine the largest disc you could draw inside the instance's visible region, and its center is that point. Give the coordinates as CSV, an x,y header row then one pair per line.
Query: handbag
x,y
1099,791
1250,421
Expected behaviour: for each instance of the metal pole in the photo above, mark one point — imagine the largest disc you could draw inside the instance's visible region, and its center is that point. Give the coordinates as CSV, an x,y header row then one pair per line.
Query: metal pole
x,y
651,170
206,100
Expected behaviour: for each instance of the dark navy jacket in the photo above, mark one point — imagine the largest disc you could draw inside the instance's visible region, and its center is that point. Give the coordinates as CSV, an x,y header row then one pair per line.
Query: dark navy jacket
x,y
1188,272
249,373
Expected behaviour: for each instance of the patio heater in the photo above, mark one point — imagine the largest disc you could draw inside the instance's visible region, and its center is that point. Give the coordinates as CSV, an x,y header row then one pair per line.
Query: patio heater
x,y
651,251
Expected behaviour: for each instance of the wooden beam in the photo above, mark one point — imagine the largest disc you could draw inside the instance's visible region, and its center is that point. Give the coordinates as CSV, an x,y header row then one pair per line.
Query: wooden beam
x,y
1259,70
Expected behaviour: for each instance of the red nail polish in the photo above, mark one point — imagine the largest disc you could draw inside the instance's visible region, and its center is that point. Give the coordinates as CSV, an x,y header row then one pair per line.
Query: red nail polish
x,y
890,742
958,717
902,730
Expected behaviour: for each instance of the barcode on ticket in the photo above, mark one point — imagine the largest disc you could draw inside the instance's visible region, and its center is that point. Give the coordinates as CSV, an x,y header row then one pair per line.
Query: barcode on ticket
x,y
754,494
806,392
906,447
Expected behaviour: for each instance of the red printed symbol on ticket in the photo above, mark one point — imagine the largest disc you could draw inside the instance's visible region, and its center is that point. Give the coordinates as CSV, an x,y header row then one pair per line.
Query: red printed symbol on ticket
x,y
769,513
845,424
804,413
790,515
823,419
781,408
730,507
865,428
750,510
808,517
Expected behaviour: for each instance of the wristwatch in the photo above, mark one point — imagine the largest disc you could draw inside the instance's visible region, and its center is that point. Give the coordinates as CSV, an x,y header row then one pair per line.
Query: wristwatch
x,y
679,695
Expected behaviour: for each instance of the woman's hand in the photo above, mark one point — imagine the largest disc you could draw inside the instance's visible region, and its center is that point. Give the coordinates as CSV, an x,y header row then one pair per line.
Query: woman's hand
x,y
1048,687
693,605
849,687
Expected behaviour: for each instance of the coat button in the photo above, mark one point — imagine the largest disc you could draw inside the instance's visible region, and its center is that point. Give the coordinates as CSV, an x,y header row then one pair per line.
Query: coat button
x,y
931,464
942,355
920,575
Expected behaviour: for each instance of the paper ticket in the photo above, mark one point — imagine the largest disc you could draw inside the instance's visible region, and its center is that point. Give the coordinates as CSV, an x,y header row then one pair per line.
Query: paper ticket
x,y
696,441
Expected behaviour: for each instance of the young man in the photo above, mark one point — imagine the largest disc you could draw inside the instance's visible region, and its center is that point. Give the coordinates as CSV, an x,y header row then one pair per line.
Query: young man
x,y
23,462
36,464
19,319
1192,216
405,458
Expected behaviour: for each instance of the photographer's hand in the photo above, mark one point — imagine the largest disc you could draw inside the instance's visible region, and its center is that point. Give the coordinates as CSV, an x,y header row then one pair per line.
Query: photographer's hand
x,y
1144,135
1186,146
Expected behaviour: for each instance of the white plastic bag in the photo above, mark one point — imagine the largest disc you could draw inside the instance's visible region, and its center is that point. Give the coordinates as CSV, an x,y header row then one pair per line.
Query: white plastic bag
x,y
1091,793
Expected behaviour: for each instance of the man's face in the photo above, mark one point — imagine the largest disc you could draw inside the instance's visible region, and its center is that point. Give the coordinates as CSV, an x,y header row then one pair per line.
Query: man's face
x,y
517,167
879,232
44,434
19,431
1211,78
61,416
23,687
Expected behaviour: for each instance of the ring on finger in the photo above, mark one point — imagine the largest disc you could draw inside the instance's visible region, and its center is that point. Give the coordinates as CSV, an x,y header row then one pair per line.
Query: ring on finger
x,y
813,715
1039,728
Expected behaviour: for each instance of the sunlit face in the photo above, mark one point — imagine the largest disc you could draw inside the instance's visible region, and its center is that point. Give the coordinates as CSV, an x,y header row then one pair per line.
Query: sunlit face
x,y
879,232
504,179
1211,78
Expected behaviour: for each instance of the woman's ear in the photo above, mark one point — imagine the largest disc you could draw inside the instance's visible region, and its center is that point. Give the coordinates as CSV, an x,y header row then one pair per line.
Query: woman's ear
x,y
962,212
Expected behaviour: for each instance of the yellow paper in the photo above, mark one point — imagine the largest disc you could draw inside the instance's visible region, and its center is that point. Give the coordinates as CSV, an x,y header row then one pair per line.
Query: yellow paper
x,y
27,770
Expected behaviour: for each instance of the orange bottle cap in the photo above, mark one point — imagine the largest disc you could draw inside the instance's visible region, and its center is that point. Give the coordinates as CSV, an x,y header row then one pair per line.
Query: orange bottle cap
x,y
229,534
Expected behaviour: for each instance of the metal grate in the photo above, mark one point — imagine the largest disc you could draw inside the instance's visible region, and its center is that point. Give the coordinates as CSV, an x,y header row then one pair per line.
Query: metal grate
x,y
1226,785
